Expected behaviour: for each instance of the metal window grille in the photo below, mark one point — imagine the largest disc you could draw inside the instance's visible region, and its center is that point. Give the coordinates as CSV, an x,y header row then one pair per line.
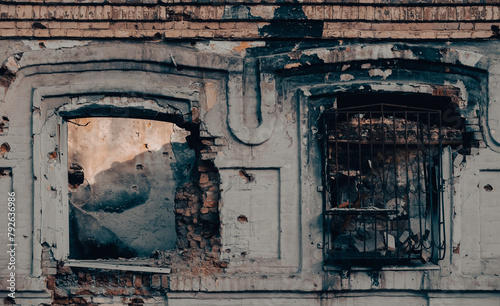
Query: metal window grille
x,y
383,183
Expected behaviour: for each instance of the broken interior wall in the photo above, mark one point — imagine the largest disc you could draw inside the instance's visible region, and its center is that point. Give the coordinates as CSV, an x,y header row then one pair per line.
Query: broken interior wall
x,y
131,169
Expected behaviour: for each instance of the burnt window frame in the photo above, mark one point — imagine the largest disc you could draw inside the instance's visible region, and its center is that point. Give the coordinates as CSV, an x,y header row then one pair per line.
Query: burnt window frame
x,y
438,243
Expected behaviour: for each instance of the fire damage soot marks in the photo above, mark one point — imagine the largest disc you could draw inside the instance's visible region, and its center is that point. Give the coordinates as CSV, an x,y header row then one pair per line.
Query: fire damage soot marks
x,y
278,27
383,180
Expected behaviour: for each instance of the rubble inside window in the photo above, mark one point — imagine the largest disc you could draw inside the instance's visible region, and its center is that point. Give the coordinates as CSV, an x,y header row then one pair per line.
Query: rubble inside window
x,y
383,178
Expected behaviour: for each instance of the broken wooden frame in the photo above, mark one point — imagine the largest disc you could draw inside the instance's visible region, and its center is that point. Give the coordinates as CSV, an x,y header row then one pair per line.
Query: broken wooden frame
x,y
383,184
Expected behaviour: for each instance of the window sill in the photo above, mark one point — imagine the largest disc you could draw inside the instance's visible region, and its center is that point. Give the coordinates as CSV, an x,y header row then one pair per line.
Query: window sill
x,y
93,264
415,267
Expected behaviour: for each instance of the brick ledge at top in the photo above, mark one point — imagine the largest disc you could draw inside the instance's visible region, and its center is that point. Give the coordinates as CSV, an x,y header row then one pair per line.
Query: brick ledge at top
x,y
257,2
209,12
239,34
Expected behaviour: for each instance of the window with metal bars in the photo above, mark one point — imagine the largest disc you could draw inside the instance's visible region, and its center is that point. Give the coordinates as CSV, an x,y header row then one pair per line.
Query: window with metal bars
x,y
383,183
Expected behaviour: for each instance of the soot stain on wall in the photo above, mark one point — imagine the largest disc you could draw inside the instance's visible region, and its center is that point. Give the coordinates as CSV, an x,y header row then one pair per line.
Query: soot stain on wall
x,y
284,24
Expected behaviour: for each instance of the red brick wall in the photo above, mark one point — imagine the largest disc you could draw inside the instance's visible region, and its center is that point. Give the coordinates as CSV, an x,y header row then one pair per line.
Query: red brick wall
x,y
334,19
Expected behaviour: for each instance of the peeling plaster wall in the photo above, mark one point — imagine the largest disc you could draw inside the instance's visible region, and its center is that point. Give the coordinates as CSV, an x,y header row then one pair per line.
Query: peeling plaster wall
x,y
258,167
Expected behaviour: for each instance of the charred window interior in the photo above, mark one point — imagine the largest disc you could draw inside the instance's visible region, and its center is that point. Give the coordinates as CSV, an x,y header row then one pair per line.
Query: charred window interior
x,y
383,177
123,175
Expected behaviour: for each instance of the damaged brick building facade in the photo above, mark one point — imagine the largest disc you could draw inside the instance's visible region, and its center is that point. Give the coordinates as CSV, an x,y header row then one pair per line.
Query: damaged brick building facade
x,y
251,152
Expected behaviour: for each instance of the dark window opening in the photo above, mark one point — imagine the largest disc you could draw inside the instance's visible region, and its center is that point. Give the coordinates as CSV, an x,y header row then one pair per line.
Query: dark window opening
x,y
382,178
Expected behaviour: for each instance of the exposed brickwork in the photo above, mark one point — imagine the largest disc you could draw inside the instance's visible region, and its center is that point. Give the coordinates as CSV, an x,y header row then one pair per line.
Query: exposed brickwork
x,y
234,2
87,286
178,12
95,287
158,20
198,222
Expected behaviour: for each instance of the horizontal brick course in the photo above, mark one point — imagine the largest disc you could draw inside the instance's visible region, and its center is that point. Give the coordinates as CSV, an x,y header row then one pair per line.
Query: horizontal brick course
x,y
216,13
241,30
219,2
141,19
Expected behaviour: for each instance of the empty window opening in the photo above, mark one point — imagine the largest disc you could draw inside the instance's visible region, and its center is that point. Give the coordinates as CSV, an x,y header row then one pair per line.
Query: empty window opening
x,y
123,175
383,177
